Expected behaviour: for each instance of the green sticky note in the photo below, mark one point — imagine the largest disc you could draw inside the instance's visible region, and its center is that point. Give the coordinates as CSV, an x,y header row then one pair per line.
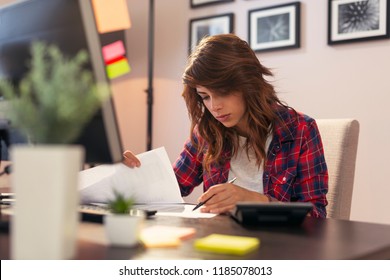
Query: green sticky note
x,y
227,244
118,68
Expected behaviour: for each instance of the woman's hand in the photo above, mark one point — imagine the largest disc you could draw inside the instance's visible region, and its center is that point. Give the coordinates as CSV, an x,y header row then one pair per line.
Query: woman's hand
x,y
131,159
225,196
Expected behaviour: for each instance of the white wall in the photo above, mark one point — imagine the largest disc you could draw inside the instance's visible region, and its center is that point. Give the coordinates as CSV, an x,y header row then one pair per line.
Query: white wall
x,y
350,80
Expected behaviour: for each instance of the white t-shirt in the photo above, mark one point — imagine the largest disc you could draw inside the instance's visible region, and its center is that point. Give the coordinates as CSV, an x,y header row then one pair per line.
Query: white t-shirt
x,y
249,175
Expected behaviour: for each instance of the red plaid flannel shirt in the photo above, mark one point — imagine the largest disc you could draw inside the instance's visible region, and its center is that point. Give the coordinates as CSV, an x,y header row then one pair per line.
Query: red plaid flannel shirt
x,y
295,168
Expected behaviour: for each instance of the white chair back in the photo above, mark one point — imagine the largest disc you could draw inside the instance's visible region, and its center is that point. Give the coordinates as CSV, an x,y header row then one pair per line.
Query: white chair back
x,y
340,141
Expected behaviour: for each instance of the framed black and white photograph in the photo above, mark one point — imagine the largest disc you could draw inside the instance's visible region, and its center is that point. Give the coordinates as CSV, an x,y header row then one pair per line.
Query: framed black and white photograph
x,y
207,26
274,28
202,3
357,20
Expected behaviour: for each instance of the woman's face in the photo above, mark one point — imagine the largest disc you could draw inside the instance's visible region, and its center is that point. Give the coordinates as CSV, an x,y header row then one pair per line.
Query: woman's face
x,y
229,109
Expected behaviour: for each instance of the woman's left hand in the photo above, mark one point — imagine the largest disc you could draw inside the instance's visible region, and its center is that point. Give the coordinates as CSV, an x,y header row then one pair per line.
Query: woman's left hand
x,y
225,196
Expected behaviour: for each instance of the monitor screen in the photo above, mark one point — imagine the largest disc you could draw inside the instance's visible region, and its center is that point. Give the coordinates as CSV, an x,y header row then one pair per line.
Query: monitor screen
x,y
70,25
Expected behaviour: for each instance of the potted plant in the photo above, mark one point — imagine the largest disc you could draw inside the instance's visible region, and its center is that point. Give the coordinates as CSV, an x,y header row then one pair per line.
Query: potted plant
x,y
51,105
122,224
56,98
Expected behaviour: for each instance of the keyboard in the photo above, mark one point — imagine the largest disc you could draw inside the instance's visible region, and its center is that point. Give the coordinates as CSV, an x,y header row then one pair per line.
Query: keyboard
x,y
93,213
88,213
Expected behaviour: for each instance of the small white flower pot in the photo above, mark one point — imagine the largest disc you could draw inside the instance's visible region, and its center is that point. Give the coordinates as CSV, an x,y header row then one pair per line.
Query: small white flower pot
x,y
123,230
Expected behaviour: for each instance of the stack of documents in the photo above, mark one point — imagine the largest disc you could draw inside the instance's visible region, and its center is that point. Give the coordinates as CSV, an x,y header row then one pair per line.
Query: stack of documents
x,y
153,182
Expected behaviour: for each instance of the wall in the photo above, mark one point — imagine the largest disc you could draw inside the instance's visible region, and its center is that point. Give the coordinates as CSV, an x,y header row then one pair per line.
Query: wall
x,y
345,81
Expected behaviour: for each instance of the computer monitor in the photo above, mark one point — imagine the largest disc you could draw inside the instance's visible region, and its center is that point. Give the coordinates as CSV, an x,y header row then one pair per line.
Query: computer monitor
x,y
69,24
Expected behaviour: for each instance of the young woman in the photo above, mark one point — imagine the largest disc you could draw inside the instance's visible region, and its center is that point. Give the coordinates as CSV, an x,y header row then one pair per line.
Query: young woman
x,y
240,129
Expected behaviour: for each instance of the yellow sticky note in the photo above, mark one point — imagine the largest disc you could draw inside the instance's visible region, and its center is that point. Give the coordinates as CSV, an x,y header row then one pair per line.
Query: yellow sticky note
x,y
118,68
111,15
227,244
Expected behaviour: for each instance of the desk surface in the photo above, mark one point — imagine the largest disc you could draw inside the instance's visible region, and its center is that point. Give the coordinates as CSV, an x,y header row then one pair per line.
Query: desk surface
x,y
314,239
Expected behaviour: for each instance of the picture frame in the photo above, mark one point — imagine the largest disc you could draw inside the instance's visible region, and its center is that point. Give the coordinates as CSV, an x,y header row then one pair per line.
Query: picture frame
x,y
275,27
202,3
207,26
371,22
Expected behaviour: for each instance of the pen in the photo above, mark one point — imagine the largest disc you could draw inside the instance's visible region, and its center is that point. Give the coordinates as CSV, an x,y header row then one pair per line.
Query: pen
x,y
203,202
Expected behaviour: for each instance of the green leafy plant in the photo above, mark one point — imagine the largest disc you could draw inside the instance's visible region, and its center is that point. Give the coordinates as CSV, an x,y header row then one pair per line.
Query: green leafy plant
x,y
120,204
56,98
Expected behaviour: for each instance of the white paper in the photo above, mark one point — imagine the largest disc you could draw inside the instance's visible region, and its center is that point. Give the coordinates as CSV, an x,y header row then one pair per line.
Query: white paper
x,y
154,181
175,210
187,213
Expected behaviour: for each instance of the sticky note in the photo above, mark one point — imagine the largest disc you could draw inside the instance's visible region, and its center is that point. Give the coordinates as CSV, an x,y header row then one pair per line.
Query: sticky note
x,y
227,244
111,15
165,236
113,51
118,68
160,242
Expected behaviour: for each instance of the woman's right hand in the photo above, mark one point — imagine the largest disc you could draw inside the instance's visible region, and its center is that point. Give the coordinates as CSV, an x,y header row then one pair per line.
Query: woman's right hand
x,y
130,159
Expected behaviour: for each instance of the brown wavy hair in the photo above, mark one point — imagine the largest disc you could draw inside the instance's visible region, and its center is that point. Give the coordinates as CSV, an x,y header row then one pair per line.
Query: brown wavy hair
x,y
222,64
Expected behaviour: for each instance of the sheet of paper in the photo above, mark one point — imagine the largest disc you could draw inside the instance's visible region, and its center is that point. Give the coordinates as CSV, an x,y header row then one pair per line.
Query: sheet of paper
x,y
153,182
111,15
175,210
186,213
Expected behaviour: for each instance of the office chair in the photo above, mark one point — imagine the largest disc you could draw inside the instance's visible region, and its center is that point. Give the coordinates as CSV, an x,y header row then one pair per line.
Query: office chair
x,y
340,141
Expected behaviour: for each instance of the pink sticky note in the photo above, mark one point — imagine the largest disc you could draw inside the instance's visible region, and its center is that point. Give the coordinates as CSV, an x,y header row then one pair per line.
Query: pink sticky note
x,y
113,51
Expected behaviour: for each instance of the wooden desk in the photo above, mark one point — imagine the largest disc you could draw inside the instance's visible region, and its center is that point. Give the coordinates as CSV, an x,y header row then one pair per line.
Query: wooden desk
x,y
314,239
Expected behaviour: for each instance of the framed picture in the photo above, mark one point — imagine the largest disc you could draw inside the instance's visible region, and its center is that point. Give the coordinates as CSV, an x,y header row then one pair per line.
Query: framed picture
x,y
202,3
206,26
274,28
357,20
